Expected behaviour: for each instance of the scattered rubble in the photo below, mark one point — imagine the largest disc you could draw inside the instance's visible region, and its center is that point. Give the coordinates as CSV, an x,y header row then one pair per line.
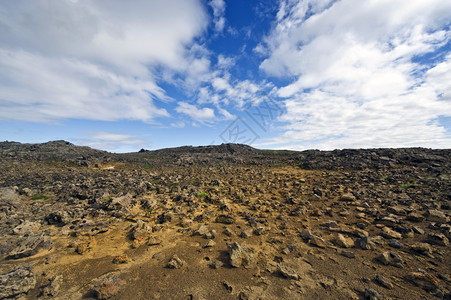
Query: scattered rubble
x,y
249,224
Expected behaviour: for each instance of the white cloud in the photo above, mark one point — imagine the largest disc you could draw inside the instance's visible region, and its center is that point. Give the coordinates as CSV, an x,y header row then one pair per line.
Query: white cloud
x,y
218,7
114,142
179,124
41,89
225,62
109,136
93,59
238,92
355,81
200,115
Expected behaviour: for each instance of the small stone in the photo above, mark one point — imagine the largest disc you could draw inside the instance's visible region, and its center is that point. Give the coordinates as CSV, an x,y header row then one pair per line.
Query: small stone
x,y
366,243
343,242
140,230
318,242
60,218
287,272
390,258
386,283
306,234
210,235
438,239
348,254
241,255
228,232
348,197
175,262
361,217
53,287
397,210
121,259
215,264
164,218
152,241
388,220
415,217
247,233
423,279
395,244
201,230
225,219
243,296
422,248
316,212
437,216
84,246
139,241
329,224
210,244
260,230
228,286
107,286
390,234
371,294
417,230
360,232
285,251
27,192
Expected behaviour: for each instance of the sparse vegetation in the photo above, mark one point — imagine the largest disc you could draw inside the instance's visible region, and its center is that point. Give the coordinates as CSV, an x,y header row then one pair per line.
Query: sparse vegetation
x,y
408,185
39,197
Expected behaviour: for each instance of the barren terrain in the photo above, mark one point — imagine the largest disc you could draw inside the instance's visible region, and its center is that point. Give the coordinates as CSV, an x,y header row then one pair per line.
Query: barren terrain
x,y
224,222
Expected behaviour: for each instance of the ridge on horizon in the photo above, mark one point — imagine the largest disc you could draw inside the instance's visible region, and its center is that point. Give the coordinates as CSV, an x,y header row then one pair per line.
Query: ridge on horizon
x,y
199,147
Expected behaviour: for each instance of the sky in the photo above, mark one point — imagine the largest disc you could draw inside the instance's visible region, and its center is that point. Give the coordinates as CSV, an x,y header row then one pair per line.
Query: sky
x,y
309,74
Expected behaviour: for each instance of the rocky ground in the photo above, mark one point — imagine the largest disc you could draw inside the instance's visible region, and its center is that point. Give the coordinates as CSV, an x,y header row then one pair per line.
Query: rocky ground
x,y
224,222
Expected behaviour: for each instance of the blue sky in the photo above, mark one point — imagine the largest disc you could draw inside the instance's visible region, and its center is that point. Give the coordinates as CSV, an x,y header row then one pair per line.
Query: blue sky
x,y
310,74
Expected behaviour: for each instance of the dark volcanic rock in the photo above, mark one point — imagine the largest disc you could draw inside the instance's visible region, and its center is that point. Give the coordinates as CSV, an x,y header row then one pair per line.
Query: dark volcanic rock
x,y
31,246
299,214
16,282
225,219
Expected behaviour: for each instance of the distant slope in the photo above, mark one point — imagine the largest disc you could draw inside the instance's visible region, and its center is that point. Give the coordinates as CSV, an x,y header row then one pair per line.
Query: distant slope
x,y
439,159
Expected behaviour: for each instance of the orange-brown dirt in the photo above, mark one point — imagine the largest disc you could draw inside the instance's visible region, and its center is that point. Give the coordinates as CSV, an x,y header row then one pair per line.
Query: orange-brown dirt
x,y
190,228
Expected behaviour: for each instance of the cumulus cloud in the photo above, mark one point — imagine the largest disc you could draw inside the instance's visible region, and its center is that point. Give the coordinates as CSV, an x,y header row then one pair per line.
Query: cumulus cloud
x,y
225,62
359,77
93,59
115,142
238,92
200,115
218,7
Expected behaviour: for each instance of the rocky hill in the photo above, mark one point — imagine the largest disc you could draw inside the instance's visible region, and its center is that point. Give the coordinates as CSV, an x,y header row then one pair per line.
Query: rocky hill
x,y
224,222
